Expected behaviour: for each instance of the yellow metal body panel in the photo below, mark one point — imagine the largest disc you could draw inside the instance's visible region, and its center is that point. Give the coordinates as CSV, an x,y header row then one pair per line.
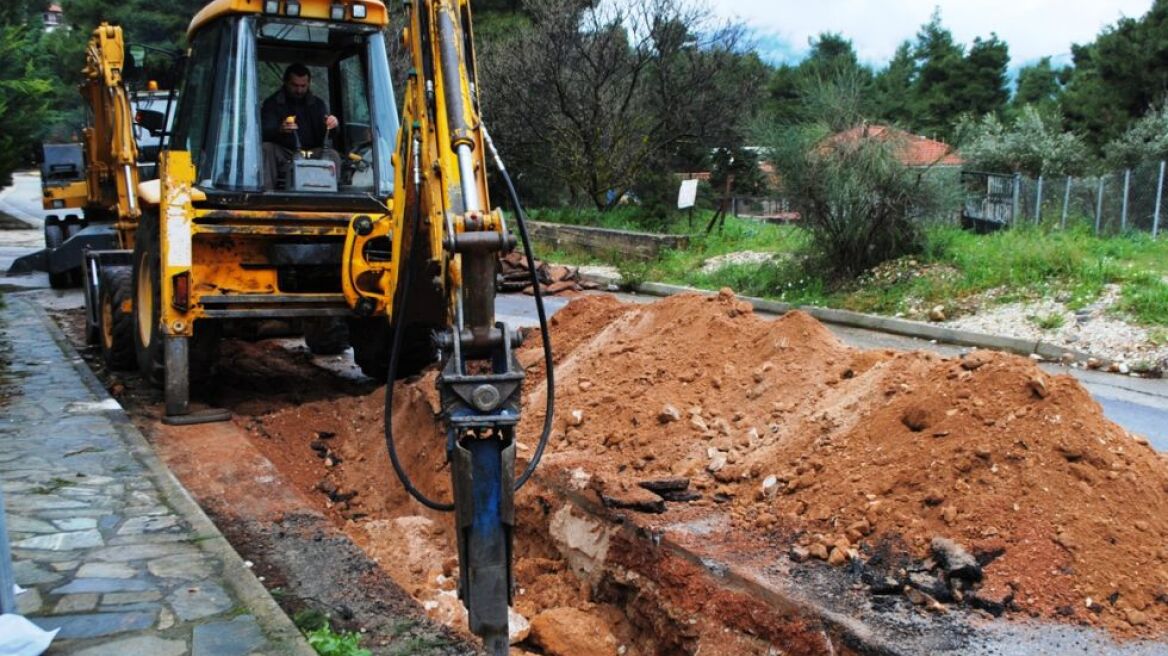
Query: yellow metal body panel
x,y
177,174
70,195
375,13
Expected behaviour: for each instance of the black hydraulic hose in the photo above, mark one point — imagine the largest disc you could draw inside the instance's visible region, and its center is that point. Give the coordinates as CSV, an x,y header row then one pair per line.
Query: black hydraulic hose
x,y
395,349
549,366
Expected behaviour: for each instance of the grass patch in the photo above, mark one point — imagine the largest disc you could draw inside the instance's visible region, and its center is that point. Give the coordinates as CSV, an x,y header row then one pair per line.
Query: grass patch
x,y
1022,264
318,630
1145,297
1158,336
1052,321
327,642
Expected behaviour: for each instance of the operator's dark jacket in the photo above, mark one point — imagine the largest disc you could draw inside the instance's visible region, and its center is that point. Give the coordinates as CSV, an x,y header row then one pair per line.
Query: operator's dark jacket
x,y
309,111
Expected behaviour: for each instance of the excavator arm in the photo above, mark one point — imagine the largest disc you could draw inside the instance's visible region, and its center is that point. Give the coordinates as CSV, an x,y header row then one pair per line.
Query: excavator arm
x,y
441,197
111,159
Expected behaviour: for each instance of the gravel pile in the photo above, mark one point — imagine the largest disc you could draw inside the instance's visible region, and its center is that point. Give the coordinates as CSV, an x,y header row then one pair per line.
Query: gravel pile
x,y
1094,330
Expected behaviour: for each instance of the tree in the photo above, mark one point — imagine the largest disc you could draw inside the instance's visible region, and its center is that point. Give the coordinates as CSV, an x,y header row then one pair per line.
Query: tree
x,y
892,87
1146,140
22,99
594,99
940,79
859,203
831,58
931,82
1038,84
986,85
1032,144
1119,77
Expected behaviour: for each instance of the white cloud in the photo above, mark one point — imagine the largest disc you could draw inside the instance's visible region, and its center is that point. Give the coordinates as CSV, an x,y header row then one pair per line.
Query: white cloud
x,y
1032,28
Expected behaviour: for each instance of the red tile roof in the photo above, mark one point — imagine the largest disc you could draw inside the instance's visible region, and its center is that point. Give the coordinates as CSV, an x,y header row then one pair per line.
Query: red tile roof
x,y
912,150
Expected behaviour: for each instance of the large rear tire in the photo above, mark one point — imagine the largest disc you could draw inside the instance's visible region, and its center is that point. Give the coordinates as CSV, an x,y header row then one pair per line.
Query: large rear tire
x,y
116,318
326,335
371,342
148,346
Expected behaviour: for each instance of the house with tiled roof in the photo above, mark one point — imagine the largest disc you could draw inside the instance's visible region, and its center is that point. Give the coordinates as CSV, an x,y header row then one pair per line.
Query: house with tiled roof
x,y
911,149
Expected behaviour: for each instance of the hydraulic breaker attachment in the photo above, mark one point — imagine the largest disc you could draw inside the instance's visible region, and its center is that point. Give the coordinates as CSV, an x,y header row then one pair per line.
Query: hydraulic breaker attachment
x,y
481,412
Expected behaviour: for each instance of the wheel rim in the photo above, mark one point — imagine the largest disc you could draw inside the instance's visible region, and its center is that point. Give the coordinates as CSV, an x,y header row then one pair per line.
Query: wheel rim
x,y
144,300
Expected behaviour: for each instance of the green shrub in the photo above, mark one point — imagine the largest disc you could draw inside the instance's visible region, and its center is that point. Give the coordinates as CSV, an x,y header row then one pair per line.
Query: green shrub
x,y
327,642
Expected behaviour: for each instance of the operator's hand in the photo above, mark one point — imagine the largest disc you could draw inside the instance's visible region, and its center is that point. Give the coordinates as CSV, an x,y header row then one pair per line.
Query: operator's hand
x,y
330,122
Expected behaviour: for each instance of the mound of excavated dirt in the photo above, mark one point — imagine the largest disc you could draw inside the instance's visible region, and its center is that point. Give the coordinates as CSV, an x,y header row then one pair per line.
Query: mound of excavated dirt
x,y
839,453
845,449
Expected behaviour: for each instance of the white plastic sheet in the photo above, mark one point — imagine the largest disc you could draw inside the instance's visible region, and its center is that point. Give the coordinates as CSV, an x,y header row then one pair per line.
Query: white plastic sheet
x,y
20,637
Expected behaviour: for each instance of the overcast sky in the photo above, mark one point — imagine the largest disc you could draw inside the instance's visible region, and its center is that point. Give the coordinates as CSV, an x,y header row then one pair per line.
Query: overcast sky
x,y
1032,28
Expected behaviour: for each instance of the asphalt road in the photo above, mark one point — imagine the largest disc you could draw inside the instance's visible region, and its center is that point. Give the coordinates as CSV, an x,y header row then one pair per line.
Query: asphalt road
x,y
1139,405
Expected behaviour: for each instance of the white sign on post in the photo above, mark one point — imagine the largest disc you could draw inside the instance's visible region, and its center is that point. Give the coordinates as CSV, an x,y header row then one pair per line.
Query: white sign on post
x,y
687,195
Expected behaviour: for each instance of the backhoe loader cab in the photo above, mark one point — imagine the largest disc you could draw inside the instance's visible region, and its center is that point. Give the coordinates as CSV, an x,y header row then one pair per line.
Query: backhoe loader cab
x,y
237,60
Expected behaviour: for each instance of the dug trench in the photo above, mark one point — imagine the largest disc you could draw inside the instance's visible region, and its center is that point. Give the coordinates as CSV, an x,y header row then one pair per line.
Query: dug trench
x,y
715,484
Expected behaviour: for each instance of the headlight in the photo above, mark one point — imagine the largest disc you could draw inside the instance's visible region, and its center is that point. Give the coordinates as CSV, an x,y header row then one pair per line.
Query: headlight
x,y
359,11
337,12
292,8
271,6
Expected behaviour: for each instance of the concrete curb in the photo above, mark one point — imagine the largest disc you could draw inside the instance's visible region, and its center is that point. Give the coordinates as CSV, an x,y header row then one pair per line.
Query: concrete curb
x,y
872,322
276,625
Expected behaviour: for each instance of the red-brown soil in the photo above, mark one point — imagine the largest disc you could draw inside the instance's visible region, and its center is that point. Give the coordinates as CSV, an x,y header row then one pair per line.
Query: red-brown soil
x,y
805,442
989,450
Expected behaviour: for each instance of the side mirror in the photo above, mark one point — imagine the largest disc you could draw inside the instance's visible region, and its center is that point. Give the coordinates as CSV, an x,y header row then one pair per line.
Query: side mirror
x,y
152,120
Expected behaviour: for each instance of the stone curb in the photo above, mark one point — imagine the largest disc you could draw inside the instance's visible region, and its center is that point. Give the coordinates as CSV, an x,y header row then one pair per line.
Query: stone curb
x,y
873,322
277,626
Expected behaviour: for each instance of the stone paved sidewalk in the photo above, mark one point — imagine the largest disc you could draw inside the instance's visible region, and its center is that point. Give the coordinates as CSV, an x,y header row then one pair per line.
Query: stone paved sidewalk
x,y
113,550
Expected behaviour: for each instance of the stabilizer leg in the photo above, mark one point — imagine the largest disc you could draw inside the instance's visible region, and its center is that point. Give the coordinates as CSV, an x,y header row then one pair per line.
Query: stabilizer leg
x,y
178,387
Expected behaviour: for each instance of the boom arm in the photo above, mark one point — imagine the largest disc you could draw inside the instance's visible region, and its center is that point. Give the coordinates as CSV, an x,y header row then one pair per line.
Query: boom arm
x,y
441,196
110,150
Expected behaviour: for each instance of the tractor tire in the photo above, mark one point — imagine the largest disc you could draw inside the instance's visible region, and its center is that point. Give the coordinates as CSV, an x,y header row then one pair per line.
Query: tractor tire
x,y
148,346
54,237
203,348
326,335
116,318
371,339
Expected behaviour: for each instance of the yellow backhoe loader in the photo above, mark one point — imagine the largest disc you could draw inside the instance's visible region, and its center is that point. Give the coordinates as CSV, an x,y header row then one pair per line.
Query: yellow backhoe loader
x,y
386,227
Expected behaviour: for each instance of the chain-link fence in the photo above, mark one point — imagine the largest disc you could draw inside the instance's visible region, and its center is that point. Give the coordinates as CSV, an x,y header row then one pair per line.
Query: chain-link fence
x,y
1114,203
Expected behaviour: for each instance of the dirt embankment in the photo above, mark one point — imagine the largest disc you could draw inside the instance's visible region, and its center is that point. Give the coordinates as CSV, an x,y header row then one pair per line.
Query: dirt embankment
x,y
846,450
835,453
